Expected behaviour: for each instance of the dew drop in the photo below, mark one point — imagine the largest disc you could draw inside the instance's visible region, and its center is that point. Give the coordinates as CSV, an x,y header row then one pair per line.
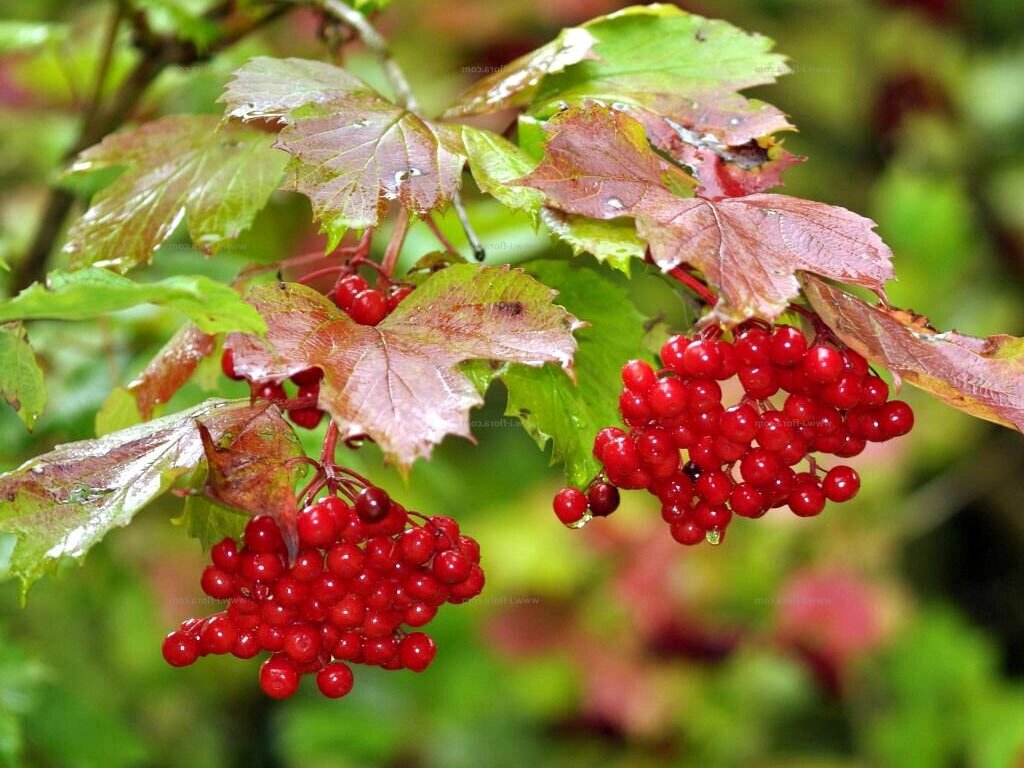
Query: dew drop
x,y
735,121
620,106
713,537
587,517
614,203
360,123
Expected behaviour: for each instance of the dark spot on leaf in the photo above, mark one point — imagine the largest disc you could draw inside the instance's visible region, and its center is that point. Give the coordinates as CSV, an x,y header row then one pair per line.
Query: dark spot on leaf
x,y
524,412
700,36
511,308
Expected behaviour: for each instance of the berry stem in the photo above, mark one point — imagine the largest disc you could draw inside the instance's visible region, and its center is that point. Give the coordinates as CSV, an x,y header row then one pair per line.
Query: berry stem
x,y
329,446
387,265
703,292
441,238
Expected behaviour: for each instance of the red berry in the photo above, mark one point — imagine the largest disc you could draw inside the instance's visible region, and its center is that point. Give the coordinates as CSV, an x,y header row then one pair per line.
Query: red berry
x,y
638,376
806,499
451,567
317,526
262,534
823,364
667,398
225,555
759,467
760,382
279,677
307,378
714,487
261,566
841,483
217,583
738,423
246,646
218,635
372,504
897,419
180,649
345,560
701,359
687,532
334,680
347,289
605,436
227,364
302,642
270,637
398,294
874,391
308,565
307,418
603,499
620,456
634,407
570,505
419,614
416,651
672,353
788,346
469,588
747,501
369,307
712,516
753,347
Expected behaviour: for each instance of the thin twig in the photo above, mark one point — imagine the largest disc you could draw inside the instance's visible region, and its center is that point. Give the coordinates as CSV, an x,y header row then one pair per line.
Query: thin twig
x,y
441,238
387,264
404,96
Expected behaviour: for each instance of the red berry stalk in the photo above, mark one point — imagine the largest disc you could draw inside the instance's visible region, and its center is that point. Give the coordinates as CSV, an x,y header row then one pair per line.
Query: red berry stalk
x,y
367,576
802,399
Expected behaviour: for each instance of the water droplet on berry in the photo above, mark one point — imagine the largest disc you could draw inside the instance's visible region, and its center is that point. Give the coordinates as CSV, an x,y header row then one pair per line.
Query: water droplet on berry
x,y
713,537
587,517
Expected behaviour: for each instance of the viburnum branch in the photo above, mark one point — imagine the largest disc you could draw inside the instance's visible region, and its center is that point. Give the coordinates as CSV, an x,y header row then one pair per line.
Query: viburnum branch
x,y
474,242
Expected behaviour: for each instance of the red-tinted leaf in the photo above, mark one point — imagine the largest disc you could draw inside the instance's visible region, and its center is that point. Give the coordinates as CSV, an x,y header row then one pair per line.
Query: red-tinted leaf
x,y
62,503
598,163
252,470
352,150
983,377
399,382
170,369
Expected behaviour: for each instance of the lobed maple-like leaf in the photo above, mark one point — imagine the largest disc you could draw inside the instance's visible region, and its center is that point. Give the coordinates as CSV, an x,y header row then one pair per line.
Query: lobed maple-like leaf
x,y
217,176
62,503
170,369
21,379
399,382
515,84
253,470
352,150
598,164
982,377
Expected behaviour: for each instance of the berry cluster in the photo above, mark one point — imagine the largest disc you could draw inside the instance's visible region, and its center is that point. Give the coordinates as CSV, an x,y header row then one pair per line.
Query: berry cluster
x,y
362,576
366,305
741,458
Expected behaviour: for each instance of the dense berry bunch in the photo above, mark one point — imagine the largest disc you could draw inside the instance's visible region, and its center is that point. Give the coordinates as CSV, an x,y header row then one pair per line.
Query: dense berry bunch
x,y
364,578
800,398
366,305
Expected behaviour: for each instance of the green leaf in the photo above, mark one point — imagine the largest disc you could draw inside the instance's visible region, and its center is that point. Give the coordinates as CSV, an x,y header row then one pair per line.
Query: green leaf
x,y
399,381
119,411
614,241
218,176
21,379
353,151
22,35
62,503
205,519
182,19
212,306
552,406
494,162
677,65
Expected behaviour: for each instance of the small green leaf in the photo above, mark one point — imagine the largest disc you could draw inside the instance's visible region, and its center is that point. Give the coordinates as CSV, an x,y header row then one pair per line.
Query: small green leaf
x,y
21,379
218,176
494,162
614,241
552,406
205,519
119,411
212,306
62,503
22,35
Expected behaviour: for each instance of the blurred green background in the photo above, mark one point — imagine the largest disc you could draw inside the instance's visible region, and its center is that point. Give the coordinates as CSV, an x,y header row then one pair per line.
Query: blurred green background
x,y
888,632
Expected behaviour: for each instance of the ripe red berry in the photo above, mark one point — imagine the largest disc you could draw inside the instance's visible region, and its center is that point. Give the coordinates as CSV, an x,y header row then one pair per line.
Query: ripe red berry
x,y
416,651
638,376
262,534
738,423
672,353
897,419
687,532
334,680
347,289
570,505
788,346
218,635
279,678
372,504
841,483
806,499
667,398
302,642
452,566
317,526
603,499
180,649
225,555
747,501
369,307
227,364
823,364
398,294
759,467
217,583
701,359
634,407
